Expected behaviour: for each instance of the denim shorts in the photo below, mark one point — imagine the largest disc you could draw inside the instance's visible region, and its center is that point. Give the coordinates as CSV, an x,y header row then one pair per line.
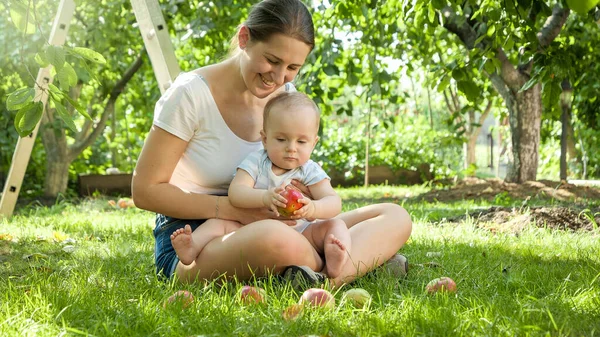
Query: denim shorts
x,y
164,254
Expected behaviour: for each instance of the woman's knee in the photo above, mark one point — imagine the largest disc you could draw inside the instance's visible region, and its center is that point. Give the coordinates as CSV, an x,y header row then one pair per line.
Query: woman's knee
x,y
402,221
282,242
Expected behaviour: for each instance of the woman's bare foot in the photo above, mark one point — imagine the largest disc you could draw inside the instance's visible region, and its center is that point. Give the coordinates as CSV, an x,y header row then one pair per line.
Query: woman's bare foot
x,y
183,243
335,255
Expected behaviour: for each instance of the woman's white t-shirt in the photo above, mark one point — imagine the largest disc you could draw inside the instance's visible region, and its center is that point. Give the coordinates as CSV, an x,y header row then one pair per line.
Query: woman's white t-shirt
x,y
188,110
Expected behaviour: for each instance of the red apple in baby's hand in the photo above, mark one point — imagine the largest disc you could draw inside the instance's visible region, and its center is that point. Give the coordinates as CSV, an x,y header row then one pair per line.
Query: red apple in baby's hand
x,y
252,295
441,284
181,297
292,196
318,297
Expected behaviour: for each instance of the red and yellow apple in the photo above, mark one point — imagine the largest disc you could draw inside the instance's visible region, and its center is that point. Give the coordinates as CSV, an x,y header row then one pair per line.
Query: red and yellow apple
x,y
292,196
318,297
441,284
183,298
252,295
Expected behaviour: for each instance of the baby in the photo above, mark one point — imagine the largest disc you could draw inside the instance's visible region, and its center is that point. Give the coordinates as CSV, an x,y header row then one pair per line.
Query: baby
x,y
289,135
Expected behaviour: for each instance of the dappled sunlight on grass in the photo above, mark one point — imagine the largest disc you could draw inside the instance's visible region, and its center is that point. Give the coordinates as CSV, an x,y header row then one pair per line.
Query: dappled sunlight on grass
x,y
537,281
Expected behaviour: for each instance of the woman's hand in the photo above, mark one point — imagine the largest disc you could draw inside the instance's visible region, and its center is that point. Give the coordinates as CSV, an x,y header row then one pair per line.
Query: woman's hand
x,y
249,215
300,186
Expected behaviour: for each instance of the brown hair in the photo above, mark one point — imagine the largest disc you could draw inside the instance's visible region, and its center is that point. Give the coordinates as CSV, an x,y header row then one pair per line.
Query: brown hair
x,y
269,17
290,100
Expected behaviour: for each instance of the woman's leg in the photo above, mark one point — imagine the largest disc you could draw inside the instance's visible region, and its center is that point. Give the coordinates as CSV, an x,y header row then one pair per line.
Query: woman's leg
x,y
378,232
252,250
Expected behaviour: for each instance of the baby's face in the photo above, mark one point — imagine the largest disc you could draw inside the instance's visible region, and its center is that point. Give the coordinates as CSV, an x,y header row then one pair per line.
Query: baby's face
x,y
290,135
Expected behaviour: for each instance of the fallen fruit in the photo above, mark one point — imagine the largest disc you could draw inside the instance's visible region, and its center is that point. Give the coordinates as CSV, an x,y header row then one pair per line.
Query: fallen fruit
x,y
358,297
252,295
441,284
397,266
292,312
183,297
292,196
318,297
125,203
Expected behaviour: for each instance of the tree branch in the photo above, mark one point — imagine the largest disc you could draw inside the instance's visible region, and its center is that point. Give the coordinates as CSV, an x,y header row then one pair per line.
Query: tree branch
x,y
78,147
553,26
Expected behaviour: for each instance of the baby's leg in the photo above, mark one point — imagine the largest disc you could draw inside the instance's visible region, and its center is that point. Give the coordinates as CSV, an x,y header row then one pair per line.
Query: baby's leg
x,y
188,244
332,238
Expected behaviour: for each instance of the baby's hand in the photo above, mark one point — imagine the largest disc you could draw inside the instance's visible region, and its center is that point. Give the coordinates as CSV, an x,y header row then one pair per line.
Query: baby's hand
x,y
307,211
273,199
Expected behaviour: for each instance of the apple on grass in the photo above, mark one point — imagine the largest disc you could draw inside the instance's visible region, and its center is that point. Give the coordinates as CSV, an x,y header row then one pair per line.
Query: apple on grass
x,y
252,295
358,297
292,195
318,297
441,284
183,298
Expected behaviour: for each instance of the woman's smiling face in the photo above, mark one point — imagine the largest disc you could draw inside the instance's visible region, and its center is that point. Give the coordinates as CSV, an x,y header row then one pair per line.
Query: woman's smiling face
x,y
268,65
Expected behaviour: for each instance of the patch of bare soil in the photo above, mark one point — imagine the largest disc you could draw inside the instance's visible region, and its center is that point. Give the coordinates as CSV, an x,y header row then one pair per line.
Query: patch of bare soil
x,y
491,189
513,219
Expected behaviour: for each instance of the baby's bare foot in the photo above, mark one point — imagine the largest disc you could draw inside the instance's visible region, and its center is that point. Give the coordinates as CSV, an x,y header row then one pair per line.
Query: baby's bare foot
x,y
183,243
335,255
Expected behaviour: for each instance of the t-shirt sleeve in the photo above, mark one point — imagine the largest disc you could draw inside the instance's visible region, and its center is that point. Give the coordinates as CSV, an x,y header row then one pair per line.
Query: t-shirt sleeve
x,y
313,173
251,164
289,87
176,111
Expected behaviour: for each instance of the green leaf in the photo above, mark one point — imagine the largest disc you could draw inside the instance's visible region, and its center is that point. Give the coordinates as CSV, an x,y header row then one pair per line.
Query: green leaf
x,y
470,89
431,12
55,92
78,107
67,77
56,56
89,54
64,115
489,67
19,98
443,83
28,117
41,60
491,30
22,16
551,93
532,81
331,70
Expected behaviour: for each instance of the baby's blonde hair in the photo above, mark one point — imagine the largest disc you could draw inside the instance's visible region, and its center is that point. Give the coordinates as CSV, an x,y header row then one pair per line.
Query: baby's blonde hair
x,y
290,100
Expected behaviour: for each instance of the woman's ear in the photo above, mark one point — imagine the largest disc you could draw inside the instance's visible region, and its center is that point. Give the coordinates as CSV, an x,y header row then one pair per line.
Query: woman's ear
x,y
263,136
243,37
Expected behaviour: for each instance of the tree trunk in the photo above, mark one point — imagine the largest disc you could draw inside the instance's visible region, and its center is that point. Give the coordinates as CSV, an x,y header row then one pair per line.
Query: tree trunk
x,y
564,118
471,146
60,154
524,107
525,111
57,177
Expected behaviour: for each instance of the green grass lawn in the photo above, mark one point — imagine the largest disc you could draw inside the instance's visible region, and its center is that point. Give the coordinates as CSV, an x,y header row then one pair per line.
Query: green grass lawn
x,y
87,269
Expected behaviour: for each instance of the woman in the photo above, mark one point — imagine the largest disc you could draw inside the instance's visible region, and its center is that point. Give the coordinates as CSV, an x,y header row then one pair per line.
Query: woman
x,y
205,125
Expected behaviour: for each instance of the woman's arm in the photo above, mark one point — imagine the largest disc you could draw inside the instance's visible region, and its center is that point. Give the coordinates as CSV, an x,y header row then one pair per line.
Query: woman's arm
x,y
152,191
